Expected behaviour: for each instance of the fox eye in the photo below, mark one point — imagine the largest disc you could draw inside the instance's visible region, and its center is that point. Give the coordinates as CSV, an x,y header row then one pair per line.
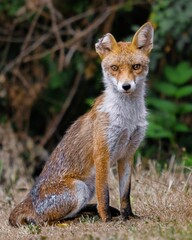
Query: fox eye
x,y
114,67
136,66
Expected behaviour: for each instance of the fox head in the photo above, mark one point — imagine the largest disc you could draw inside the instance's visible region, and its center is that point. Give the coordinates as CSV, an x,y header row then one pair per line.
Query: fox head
x,y
125,64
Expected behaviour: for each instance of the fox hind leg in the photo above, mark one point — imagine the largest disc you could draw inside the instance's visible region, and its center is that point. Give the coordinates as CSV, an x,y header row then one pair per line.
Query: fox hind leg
x,y
61,202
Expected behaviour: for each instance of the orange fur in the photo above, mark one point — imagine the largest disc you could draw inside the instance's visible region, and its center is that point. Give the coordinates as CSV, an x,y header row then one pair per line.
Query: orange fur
x,y
109,133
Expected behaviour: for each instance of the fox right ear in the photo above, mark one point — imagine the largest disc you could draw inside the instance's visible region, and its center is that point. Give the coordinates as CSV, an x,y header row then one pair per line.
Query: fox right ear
x,y
143,38
105,45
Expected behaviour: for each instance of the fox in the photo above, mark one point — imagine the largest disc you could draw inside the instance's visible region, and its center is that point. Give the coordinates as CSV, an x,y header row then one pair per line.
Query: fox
x,y
108,134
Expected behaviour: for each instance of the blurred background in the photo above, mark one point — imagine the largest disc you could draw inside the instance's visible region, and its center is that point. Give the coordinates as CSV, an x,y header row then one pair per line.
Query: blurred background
x,y
50,75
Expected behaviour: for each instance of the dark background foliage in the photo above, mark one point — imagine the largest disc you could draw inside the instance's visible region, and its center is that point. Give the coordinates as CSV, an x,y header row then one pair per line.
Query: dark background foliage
x,y
50,73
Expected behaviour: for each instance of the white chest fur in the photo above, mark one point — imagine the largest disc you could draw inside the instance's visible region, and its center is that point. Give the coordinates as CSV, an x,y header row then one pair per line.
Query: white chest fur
x,y
126,114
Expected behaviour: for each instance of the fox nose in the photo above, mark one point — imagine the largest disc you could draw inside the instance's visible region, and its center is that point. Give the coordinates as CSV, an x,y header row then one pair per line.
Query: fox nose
x,y
126,86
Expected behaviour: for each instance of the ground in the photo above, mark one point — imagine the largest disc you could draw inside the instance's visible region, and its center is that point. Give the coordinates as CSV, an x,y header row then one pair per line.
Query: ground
x,y
162,200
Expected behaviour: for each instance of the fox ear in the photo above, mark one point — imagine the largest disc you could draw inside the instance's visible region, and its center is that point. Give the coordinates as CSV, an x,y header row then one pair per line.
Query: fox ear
x,y
143,38
105,45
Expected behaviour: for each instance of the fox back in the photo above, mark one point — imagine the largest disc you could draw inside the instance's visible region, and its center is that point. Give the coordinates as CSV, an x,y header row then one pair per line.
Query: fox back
x,y
109,133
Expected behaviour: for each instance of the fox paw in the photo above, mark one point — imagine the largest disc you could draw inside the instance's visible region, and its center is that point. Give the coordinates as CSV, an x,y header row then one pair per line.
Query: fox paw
x,y
126,215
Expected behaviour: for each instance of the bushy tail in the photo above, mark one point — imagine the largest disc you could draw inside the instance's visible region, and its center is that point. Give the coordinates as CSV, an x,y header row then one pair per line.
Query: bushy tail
x,y
23,213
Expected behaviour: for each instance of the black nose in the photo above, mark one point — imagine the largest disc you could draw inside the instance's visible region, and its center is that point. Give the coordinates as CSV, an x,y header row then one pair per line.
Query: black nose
x,y
126,86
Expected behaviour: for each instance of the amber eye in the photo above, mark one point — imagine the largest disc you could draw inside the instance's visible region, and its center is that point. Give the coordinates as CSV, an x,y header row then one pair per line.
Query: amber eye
x,y
114,67
136,66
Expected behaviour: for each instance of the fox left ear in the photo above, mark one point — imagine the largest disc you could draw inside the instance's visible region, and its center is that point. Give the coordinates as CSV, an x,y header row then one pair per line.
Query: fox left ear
x,y
143,38
105,45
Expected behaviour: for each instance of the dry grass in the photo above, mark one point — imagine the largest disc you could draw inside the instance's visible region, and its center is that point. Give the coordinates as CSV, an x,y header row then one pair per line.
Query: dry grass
x,y
164,202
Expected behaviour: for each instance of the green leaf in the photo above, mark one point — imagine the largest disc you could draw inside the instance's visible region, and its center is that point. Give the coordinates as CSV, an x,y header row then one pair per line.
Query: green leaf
x,y
165,119
185,108
170,74
184,91
11,7
56,80
162,104
187,160
167,89
179,75
185,70
181,127
89,101
156,131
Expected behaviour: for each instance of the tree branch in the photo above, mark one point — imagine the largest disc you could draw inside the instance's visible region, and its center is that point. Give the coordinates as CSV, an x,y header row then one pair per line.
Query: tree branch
x,y
53,124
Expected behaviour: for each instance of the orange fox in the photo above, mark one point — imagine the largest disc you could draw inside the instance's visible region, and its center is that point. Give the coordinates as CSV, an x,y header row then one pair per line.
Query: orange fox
x,y
109,133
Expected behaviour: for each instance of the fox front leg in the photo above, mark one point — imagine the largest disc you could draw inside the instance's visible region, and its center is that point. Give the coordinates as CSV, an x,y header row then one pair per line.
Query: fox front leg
x,y
102,189
124,171
101,161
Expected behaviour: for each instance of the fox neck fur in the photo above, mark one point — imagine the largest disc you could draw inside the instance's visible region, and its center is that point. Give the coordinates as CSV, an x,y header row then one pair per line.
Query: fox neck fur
x,y
126,113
